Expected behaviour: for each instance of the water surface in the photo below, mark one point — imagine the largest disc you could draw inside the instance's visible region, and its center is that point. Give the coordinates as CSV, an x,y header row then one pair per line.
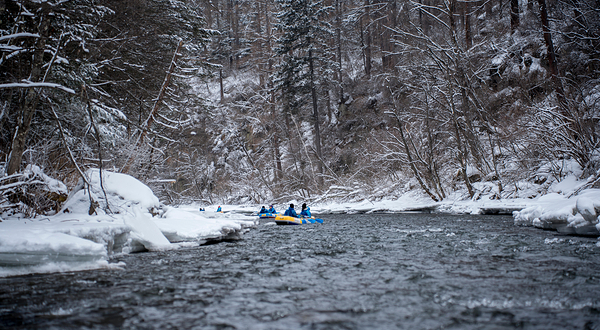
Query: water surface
x,y
377,271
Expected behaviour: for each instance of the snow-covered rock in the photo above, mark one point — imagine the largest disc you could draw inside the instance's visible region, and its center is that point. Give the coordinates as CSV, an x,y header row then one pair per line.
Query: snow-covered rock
x,y
575,215
585,207
126,217
118,191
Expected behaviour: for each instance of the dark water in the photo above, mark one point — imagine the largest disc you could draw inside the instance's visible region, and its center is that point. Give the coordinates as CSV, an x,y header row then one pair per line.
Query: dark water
x,y
406,271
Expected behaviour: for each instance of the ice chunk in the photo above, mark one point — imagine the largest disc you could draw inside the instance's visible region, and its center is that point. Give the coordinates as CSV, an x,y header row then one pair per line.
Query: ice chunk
x,y
180,225
29,247
585,207
145,232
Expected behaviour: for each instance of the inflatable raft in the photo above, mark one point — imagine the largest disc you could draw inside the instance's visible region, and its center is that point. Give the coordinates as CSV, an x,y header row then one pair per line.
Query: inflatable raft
x,y
287,220
267,215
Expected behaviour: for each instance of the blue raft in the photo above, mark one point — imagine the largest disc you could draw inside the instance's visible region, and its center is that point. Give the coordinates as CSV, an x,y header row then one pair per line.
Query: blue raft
x,y
267,215
287,220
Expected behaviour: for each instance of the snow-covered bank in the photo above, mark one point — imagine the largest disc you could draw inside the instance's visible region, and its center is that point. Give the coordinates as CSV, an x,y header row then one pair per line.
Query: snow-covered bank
x,y
561,209
407,203
125,217
575,215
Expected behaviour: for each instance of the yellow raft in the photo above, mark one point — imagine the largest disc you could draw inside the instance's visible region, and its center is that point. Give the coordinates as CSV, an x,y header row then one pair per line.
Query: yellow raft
x,y
287,220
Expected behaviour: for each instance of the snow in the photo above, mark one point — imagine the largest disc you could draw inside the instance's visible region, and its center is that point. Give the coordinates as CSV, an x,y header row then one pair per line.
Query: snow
x,y
126,188
19,35
586,207
563,212
498,60
128,218
146,232
180,224
38,84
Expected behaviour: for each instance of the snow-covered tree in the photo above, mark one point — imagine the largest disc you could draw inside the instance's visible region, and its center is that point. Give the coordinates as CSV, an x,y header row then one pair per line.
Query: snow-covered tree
x,y
43,66
306,63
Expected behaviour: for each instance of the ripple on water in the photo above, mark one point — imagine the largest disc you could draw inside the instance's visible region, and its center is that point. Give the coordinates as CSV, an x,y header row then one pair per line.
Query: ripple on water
x,y
377,271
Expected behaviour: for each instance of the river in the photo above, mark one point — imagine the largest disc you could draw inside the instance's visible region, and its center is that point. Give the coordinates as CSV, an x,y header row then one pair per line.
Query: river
x,y
375,271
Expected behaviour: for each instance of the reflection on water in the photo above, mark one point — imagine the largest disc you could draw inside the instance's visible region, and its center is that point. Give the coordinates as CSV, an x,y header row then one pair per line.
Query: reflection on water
x,y
403,271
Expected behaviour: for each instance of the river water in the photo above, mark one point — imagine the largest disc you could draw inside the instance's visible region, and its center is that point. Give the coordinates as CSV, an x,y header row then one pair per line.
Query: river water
x,y
377,271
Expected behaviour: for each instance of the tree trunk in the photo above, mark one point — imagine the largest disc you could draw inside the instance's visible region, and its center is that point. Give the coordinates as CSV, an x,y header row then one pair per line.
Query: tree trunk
x,y
31,99
367,45
338,37
315,114
452,20
489,6
462,153
386,55
421,21
467,24
99,143
221,84
150,120
514,15
413,167
553,67
287,113
431,161
278,167
161,94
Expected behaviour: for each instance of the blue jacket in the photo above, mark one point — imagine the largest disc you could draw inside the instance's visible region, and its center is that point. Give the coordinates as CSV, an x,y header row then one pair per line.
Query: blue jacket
x,y
263,210
272,210
291,212
306,212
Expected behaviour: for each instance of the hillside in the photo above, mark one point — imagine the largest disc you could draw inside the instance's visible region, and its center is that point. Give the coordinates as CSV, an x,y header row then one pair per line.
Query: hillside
x,y
269,101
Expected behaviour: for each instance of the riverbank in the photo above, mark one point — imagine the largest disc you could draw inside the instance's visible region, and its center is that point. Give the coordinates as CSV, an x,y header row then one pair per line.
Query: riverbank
x,y
126,217
115,216
563,211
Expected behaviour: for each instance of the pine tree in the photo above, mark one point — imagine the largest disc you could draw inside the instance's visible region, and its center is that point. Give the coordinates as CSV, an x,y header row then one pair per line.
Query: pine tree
x,y
305,59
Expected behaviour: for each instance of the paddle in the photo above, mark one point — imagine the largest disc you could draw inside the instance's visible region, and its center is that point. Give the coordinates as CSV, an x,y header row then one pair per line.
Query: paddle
x,y
313,220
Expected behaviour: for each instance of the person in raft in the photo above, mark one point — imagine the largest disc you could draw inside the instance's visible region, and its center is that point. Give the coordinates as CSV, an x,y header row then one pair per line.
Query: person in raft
x,y
271,209
219,209
305,211
291,212
262,210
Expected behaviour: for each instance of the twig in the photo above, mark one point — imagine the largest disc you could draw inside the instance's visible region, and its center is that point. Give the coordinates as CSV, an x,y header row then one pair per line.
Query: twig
x,y
62,136
97,134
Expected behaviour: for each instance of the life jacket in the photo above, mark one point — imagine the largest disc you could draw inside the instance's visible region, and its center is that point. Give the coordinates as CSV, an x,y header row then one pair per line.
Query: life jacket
x,y
291,212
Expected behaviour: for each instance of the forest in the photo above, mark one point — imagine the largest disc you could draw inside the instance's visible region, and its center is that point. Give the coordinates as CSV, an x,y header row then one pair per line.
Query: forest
x,y
234,101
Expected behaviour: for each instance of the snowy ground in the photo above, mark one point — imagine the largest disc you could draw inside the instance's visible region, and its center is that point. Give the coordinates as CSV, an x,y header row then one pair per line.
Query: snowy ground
x,y
561,209
136,221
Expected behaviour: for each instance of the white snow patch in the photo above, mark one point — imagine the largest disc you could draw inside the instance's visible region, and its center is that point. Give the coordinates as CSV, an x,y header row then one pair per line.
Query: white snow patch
x,y
75,240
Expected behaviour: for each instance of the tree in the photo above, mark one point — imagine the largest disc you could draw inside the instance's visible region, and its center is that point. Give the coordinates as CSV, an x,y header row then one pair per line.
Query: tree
x,y
137,46
514,14
60,29
366,39
302,45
